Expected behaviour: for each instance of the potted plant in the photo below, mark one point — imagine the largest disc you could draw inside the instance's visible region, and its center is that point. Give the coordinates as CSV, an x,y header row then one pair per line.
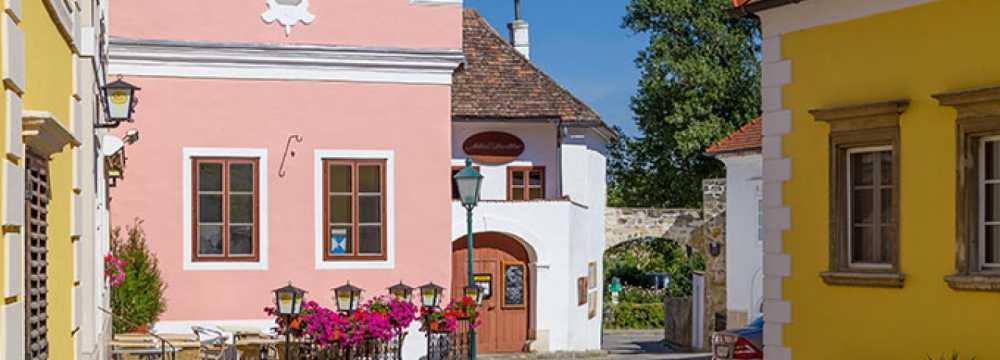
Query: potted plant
x,y
137,300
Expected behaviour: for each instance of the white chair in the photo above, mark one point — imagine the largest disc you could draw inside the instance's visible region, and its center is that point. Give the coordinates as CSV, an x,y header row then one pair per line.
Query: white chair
x,y
212,345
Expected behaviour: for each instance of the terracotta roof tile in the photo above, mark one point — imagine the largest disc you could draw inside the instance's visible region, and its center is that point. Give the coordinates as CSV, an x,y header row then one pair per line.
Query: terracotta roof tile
x,y
746,138
498,83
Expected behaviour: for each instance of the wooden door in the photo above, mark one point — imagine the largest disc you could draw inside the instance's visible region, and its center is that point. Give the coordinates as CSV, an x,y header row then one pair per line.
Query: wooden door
x,y
504,314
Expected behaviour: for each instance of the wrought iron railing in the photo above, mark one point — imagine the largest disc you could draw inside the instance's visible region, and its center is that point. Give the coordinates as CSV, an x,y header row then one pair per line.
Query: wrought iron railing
x,y
449,345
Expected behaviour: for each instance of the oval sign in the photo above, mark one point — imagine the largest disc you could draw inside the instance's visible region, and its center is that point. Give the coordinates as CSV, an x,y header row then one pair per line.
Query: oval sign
x,y
493,147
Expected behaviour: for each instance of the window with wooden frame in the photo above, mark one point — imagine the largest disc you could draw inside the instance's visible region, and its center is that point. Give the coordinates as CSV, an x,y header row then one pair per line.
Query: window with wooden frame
x,y
977,194
225,198
454,185
354,207
864,193
525,183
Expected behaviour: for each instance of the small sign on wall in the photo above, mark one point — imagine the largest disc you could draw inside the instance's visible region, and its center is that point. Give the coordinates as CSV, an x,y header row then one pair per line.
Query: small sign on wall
x,y
493,147
338,241
485,282
592,275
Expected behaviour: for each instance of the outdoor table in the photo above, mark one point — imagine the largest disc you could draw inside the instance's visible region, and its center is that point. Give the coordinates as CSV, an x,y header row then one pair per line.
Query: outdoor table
x,y
143,353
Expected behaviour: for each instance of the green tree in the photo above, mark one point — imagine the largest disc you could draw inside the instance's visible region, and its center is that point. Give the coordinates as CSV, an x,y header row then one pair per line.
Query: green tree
x,y
700,81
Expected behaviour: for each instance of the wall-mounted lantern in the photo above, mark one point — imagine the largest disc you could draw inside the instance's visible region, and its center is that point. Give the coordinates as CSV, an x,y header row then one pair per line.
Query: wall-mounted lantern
x,y
714,248
120,101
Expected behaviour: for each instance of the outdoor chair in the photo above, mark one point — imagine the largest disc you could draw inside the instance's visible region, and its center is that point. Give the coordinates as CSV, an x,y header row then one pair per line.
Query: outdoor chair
x,y
212,345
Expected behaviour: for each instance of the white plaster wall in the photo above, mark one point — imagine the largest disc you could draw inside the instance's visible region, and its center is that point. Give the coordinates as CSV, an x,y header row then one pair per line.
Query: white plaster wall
x,y
744,245
539,150
547,228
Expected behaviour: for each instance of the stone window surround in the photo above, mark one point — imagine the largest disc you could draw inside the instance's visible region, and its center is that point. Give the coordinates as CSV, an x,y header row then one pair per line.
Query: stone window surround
x,y
978,114
851,127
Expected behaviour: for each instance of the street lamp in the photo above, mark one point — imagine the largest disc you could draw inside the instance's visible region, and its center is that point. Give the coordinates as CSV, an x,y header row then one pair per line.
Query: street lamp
x,y
430,295
120,101
288,303
347,297
401,291
475,292
469,183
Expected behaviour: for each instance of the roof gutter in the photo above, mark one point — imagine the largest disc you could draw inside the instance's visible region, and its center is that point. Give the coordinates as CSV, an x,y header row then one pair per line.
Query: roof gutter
x,y
757,6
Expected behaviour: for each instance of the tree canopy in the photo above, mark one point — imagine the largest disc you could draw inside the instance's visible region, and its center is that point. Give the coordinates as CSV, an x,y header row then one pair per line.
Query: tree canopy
x,y
700,82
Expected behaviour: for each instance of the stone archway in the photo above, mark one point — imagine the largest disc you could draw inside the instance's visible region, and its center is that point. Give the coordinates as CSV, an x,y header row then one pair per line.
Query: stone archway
x,y
701,230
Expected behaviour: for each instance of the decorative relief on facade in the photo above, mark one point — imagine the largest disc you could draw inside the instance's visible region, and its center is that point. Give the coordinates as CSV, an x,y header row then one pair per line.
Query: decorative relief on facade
x,y
288,13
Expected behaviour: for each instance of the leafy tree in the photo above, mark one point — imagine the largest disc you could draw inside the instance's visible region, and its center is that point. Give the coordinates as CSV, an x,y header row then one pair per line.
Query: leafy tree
x,y
699,82
138,301
633,261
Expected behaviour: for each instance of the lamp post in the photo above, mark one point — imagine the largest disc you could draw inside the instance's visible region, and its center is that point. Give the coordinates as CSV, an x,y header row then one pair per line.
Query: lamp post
x,y
430,294
288,303
475,292
401,291
469,183
347,297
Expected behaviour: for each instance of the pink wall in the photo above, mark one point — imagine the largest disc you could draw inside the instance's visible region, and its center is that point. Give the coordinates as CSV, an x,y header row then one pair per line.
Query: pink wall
x,y
412,120
388,23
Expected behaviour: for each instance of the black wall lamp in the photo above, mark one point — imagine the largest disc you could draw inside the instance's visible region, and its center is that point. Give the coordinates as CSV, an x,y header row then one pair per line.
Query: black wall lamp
x,y
120,102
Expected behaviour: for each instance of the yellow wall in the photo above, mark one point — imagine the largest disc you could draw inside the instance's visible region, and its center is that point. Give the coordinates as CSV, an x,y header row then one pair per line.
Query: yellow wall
x,y
910,53
49,86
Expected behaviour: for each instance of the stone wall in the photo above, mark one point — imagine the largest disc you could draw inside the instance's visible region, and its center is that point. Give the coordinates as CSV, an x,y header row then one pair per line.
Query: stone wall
x,y
703,230
628,224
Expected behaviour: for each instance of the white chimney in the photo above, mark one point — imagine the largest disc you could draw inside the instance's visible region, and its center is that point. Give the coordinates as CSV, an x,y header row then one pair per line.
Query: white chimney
x,y
519,32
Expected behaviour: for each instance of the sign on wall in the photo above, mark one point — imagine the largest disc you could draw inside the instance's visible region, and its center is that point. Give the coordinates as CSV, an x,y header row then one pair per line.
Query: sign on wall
x,y
485,282
493,147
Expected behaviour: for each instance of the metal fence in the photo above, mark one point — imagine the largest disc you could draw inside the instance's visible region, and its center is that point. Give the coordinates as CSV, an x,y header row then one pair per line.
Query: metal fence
x,y
449,345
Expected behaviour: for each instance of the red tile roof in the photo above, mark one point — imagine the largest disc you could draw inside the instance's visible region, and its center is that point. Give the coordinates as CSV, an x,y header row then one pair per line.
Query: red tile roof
x,y
497,83
746,138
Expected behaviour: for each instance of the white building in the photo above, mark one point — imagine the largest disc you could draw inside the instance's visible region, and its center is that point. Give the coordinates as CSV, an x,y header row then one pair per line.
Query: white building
x,y
539,228
741,152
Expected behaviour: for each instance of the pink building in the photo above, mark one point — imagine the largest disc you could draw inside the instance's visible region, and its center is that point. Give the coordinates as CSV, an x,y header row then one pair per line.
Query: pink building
x,y
359,91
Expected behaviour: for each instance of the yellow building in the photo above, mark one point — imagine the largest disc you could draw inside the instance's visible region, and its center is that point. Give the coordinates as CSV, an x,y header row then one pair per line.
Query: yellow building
x,y
48,71
880,148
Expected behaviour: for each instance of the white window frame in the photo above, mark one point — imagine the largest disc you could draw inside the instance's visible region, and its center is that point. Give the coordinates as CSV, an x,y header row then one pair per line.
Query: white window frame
x,y
319,193
981,221
187,211
850,217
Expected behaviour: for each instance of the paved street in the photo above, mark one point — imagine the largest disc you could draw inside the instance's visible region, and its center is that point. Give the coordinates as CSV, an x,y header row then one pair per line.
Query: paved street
x,y
618,345
642,344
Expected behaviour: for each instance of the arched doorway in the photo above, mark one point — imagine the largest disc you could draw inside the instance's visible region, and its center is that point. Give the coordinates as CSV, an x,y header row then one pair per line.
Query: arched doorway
x,y
506,266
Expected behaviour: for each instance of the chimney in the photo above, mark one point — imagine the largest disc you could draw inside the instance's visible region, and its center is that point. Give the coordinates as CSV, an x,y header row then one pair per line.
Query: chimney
x,y
519,32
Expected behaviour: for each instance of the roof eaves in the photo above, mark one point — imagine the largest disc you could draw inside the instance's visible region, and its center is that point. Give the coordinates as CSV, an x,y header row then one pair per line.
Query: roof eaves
x,y
749,8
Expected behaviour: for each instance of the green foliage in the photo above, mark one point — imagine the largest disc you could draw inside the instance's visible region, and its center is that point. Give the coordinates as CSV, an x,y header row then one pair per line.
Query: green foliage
x,y
953,356
139,300
700,82
631,262
637,295
633,316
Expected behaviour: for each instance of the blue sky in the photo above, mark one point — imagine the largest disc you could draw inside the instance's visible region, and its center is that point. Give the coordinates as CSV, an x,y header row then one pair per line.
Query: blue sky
x,y
582,46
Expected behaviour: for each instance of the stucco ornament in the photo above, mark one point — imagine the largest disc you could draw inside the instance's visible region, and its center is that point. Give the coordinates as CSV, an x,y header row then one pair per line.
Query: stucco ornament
x,y
288,13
